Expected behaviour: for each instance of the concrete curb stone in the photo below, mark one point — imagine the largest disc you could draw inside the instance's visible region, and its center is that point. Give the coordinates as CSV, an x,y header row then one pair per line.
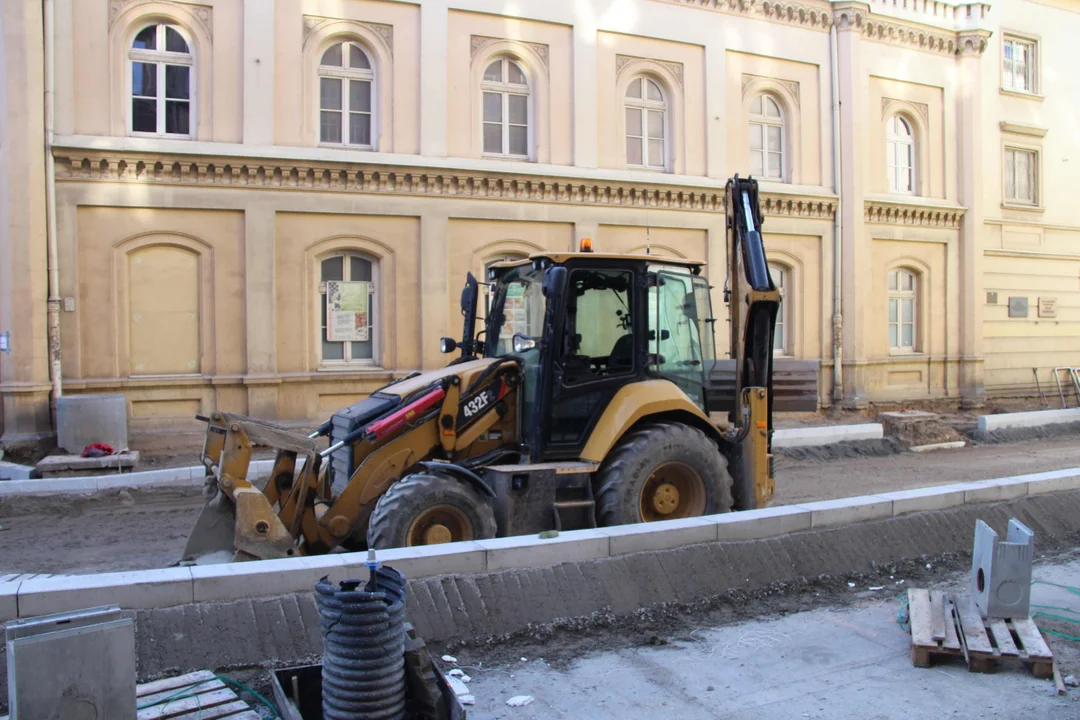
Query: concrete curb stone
x,y
1001,421
827,435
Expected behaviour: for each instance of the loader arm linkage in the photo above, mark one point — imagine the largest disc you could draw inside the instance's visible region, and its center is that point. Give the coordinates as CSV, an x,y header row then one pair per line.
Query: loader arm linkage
x,y
296,512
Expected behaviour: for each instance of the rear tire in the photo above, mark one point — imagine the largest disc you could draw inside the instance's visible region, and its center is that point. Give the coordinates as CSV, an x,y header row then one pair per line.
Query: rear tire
x,y
662,472
428,509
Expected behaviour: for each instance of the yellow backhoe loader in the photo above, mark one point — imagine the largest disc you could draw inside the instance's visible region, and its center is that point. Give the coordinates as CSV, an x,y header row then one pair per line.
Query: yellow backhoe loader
x,y
583,400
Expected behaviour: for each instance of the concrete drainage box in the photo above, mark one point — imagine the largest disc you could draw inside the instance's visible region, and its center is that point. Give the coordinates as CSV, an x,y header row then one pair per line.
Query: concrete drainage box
x,y
82,420
76,666
1001,571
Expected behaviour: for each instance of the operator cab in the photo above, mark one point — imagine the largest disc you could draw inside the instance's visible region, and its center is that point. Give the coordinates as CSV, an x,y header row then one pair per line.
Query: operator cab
x,y
584,325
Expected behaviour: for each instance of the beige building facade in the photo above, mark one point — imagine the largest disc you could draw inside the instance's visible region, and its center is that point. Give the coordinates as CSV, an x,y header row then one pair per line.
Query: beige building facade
x,y
202,173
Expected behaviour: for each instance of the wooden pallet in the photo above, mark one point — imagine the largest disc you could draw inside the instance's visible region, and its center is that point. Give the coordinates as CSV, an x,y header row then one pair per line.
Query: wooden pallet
x,y
213,700
944,624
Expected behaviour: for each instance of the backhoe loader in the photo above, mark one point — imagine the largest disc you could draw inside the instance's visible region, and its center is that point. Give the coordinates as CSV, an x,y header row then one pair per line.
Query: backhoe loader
x,y
583,400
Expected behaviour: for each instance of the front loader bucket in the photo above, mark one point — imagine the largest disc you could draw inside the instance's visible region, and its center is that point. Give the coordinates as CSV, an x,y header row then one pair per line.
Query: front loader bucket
x,y
213,539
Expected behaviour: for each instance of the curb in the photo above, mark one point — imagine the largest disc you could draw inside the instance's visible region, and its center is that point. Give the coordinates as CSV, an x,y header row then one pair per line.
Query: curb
x,y
168,587
828,435
168,478
1038,418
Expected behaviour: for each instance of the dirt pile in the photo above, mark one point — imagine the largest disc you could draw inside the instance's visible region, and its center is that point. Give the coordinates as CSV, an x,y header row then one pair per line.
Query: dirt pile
x,y
914,428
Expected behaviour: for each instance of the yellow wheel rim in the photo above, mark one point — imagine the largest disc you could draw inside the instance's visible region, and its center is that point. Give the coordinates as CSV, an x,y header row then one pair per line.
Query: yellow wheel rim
x,y
673,491
440,524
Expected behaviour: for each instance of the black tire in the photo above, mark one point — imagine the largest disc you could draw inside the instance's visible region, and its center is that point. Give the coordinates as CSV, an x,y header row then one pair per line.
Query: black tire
x,y
429,496
632,463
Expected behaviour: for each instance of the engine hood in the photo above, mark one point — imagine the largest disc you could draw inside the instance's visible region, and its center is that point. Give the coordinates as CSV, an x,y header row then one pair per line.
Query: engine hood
x,y
466,371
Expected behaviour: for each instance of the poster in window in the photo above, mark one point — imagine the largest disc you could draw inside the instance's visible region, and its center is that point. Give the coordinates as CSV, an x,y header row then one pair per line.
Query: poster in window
x,y
517,319
347,306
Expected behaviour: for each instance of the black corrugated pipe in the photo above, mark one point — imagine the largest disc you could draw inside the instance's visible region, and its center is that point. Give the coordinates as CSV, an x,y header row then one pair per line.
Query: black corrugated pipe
x,y
363,671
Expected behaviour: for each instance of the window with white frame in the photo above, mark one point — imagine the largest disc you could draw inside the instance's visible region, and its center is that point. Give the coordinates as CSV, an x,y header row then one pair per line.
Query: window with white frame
x,y
1018,65
646,124
780,337
162,81
505,89
766,138
348,308
902,310
346,79
900,155
1021,176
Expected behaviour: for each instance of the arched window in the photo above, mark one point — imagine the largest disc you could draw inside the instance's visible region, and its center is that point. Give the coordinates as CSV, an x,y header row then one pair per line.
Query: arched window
x,y
349,308
646,123
903,308
506,109
780,338
900,155
345,83
162,82
766,138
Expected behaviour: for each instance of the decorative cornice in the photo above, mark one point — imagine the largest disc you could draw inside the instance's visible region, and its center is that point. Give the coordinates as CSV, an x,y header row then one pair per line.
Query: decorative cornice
x,y
175,169
817,16
1017,129
313,23
479,42
856,16
202,13
791,85
888,103
973,42
911,213
674,68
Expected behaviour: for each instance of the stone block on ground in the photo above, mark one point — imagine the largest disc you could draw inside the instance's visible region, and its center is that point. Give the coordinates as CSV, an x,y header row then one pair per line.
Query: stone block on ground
x,y
65,466
916,428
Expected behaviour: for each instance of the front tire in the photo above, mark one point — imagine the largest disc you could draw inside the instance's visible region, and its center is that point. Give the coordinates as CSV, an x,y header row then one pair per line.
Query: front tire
x,y
664,471
429,509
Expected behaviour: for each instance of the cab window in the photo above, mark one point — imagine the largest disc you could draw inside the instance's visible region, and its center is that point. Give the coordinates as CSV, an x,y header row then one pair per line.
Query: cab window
x,y
598,338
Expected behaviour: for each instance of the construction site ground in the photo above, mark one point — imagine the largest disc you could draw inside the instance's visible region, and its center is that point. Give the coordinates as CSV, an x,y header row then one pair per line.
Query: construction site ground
x,y
134,530
841,654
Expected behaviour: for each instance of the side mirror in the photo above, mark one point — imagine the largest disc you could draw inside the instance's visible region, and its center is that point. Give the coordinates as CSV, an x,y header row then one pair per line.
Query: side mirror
x,y
554,282
447,345
469,296
523,343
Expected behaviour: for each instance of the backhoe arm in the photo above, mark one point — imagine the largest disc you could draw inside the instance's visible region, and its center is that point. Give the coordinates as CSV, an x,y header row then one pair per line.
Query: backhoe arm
x,y
753,301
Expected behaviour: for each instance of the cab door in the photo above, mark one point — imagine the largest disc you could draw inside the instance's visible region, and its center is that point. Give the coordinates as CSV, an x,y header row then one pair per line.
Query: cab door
x,y
597,352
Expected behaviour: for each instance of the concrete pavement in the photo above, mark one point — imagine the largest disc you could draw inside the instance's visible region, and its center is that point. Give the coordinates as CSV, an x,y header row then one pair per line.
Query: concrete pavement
x,y
825,663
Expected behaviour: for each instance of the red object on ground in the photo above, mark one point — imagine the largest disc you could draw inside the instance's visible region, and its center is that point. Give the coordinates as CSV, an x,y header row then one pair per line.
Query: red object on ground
x,y
98,450
381,428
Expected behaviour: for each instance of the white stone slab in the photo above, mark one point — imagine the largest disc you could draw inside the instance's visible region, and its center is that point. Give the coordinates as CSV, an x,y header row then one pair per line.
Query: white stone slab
x,y
829,513
9,600
762,523
424,560
1057,480
264,578
164,587
803,437
952,445
1037,418
530,551
662,535
997,490
928,498
50,486
14,471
